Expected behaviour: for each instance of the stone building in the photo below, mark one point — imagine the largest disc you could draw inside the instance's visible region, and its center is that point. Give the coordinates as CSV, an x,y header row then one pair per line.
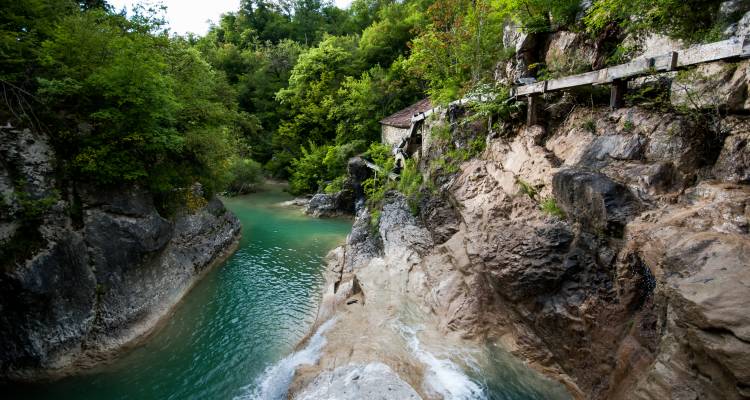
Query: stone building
x,y
395,128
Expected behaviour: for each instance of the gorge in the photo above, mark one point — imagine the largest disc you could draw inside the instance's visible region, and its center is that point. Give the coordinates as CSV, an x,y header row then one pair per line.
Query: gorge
x,y
412,199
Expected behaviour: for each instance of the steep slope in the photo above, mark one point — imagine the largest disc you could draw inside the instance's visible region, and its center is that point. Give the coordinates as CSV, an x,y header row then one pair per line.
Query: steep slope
x,y
102,269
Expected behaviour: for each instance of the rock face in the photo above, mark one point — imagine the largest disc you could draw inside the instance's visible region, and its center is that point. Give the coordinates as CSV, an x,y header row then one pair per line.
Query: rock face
x,y
640,292
354,382
96,270
347,200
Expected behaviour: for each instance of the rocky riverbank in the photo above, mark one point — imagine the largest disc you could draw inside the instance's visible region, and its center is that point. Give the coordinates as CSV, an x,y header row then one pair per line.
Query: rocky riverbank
x,y
607,249
102,269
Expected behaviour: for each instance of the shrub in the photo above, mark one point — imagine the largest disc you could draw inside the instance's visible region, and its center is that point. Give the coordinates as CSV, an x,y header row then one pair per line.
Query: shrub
x,y
335,185
410,184
308,171
690,20
246,174
589,125
549,206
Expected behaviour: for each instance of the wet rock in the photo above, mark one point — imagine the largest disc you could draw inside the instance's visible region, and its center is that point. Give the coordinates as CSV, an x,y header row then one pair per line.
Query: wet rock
x,y
322,205
401,232
354,382
363,244
600,204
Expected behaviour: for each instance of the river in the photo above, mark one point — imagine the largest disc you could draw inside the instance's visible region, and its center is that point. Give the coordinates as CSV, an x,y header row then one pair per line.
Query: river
x,y
239,326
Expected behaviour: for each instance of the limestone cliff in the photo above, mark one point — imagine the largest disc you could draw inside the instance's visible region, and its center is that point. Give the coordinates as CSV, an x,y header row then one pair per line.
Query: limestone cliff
x,y
640,291
102,268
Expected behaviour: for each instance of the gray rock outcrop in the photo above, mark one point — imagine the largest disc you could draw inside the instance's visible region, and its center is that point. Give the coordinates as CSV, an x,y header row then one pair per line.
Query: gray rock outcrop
x,y
87,270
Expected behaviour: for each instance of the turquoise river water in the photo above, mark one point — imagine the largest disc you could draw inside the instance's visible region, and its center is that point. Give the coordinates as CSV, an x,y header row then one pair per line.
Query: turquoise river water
x,y
242,318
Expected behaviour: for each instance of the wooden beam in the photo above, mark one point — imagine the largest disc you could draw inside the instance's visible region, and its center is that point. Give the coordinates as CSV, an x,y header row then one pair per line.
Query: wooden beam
x,y
532,110
726,49
617,94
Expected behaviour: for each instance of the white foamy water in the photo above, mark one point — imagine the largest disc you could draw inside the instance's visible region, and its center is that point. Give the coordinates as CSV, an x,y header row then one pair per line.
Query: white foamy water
x,y
442,377
274,383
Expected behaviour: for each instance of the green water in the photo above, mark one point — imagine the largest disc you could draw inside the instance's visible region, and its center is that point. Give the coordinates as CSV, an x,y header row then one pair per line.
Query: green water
x,y
250,313
241,318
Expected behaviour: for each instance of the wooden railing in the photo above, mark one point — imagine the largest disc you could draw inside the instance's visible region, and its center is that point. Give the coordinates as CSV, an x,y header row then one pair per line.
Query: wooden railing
x,y
617,76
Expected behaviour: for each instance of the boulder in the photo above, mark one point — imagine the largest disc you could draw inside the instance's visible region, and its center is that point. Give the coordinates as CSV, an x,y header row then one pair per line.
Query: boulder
x,y
569,53
600,204
324,205
354,382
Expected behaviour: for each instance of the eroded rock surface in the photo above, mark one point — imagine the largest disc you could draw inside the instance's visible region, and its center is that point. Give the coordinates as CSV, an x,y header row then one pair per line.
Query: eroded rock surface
x,y
102,268
640,292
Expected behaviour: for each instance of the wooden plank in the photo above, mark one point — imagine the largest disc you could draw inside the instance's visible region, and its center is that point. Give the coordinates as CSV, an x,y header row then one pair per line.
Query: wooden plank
x,y
633,68
710,52
539,87
732,48
588,78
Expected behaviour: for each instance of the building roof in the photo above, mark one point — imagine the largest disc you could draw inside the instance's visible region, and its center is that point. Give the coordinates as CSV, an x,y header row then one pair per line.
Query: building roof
x,y
402,119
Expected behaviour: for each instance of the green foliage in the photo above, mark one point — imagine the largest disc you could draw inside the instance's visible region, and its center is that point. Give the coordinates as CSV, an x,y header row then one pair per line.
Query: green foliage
x,y
654,96
691,20
538,16
527,189
589,125
308,170
549,206
441,133
246,174
335,185
32,209
319,164
129,104
374,221
494,102
628,126
410,183
459,47
376,186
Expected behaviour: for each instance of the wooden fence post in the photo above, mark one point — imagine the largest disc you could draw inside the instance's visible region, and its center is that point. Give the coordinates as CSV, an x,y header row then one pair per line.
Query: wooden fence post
x,y
532,112
617,93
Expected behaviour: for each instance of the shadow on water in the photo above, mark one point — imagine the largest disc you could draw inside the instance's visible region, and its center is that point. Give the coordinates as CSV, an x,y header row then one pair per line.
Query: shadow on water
x,y
241,318
234,335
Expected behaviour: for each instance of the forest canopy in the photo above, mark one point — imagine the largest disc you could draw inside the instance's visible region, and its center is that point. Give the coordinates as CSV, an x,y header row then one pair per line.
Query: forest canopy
x,y
292,87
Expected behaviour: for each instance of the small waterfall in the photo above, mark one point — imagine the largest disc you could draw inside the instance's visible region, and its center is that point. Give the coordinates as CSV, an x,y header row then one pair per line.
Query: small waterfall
x,y
442,376
274,383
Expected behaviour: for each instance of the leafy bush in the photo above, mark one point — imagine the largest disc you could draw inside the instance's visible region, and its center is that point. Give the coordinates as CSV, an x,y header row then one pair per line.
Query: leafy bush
x,y
410,184
308,170
335,185
246,174
589,125
691,20
319,164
